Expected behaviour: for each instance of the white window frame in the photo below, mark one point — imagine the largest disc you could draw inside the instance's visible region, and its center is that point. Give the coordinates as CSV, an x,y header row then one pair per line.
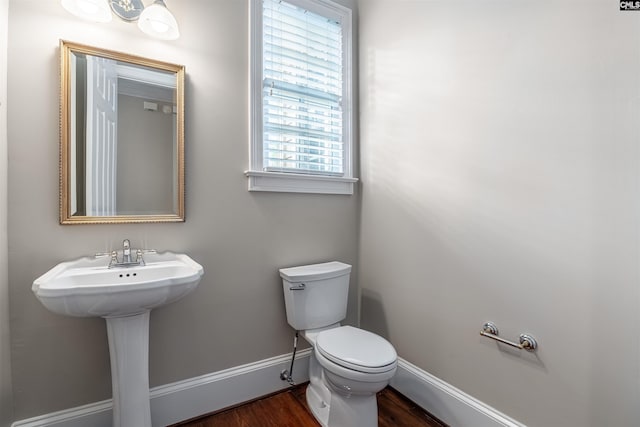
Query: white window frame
x,y
261,180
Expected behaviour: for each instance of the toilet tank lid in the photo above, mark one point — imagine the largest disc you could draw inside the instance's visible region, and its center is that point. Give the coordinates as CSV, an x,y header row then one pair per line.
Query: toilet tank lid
x,y
312,272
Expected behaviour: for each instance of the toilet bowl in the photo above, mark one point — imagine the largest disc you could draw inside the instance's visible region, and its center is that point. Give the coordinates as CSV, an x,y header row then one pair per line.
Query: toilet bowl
x,y
348,365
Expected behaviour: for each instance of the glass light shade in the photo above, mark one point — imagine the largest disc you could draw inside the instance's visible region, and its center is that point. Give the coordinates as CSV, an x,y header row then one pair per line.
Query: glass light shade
x,y
157,21
91,10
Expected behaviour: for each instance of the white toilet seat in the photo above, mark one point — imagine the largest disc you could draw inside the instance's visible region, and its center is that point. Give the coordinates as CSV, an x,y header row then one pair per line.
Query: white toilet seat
x,y
356,350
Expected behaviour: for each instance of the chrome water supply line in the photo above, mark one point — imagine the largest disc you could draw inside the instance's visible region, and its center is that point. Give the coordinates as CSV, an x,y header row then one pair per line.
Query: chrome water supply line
x,y
287,375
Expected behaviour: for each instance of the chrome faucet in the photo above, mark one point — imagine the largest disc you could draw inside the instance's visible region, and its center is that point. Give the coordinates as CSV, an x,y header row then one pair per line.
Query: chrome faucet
x,y
127,259
126,252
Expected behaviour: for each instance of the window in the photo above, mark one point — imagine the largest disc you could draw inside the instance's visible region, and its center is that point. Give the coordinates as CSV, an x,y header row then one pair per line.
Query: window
x,y
301,94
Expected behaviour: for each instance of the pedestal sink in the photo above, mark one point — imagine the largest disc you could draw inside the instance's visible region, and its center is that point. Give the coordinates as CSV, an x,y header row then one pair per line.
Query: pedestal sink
x,y
124,296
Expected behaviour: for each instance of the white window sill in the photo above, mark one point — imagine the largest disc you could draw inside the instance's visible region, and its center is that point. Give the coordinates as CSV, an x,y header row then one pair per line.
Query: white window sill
x,y
299,183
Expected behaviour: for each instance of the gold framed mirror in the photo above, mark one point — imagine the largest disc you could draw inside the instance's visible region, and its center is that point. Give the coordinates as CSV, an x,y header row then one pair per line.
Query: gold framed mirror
x,y
121,137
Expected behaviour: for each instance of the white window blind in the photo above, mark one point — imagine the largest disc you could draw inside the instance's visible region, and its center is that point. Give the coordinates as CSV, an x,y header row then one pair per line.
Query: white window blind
x,y
302,84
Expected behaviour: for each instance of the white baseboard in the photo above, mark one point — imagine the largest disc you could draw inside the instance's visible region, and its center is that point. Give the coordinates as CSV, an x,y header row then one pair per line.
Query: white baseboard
x,y
444,401
191,398
94,414
198,396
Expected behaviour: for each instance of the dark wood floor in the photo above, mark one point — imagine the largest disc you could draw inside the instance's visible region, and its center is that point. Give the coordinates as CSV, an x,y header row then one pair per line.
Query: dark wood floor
x,y
289,409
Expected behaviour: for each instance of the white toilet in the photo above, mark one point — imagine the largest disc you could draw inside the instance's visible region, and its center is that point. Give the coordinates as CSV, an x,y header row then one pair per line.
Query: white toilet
x,y
348,365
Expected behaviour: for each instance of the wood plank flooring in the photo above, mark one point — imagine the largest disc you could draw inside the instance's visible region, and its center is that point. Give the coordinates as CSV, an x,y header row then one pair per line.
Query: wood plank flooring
x,y
289,409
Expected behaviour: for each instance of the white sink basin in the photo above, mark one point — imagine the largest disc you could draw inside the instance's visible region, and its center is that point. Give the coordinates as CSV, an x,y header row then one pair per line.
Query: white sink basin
x,y
88,288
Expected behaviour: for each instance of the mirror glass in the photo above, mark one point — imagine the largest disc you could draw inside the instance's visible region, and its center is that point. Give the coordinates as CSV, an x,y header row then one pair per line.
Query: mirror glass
x,y
122,137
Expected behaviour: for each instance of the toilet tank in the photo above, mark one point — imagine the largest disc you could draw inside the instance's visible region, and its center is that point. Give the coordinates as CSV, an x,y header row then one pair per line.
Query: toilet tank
x,y
316,295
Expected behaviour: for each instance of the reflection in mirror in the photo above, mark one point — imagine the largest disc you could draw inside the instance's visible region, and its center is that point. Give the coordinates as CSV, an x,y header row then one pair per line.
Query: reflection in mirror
x,y
122,140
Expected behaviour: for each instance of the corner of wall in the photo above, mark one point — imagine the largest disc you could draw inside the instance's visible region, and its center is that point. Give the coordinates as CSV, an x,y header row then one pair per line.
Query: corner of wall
x,y
6,396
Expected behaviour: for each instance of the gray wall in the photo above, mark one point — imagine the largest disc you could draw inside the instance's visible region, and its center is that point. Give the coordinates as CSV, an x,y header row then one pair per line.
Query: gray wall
x,y
237,314
5,354
500,181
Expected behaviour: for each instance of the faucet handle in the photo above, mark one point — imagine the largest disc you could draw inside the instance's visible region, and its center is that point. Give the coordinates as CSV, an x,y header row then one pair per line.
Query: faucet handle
x,y
114,258
141,252
113,255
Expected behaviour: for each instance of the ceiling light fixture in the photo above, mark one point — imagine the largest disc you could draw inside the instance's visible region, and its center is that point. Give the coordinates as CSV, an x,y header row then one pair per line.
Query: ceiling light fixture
x,y
90,10
154,20
127,10
157,21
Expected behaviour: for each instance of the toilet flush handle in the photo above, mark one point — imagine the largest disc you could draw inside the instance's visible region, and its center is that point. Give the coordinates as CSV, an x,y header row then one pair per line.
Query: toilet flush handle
x,y
300,287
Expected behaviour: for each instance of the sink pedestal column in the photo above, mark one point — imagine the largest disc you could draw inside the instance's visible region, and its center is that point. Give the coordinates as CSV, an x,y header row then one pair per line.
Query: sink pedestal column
x,y
129,354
